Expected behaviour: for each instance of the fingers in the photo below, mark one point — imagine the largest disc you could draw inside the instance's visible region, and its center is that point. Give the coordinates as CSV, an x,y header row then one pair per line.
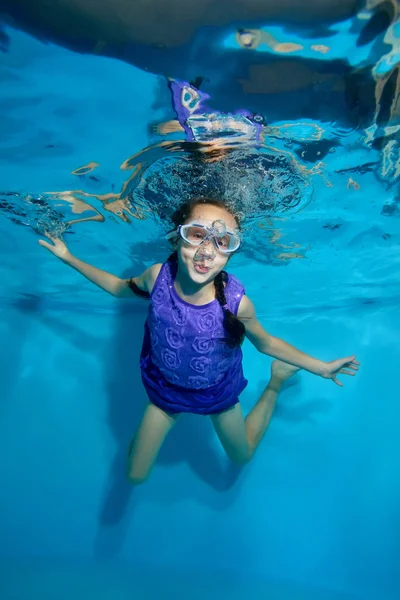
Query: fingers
x,y
349,367
350,360
57,242
45,244
50,237
345,366
350,364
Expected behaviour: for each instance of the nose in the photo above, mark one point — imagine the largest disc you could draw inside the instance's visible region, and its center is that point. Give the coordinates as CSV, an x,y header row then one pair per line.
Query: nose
x,y
206,249
208,245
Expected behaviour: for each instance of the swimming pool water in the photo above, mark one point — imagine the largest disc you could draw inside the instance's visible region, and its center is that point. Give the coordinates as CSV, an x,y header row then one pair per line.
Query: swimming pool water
x,y
315,514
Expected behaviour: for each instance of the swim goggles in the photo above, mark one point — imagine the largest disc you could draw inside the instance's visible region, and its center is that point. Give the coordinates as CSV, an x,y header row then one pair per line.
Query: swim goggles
x,y
195,233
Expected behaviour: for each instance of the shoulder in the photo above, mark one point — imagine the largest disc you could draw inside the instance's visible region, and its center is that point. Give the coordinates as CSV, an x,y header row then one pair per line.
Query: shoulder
x,y
147,279
246,310
234,291
229,277
232,281
150,276
143,284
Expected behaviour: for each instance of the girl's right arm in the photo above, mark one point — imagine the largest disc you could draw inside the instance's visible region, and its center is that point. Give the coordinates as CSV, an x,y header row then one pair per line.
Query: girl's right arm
x,y
115,286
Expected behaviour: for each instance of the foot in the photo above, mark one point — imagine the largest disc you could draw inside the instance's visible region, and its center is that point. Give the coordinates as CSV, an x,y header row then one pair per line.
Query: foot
x,y
282,371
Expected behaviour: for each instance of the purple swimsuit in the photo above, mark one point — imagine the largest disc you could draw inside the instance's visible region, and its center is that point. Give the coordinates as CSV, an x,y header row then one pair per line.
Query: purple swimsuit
x,y
186,364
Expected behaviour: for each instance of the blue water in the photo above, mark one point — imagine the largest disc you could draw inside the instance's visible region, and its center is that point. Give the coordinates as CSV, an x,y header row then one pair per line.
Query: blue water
x,y
315,515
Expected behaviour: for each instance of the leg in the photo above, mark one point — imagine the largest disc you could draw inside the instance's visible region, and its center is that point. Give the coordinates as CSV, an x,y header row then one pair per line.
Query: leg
x,y
147,442
241,437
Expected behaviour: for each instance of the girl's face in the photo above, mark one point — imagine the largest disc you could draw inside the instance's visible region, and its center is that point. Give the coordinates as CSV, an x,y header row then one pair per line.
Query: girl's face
x,y
203,263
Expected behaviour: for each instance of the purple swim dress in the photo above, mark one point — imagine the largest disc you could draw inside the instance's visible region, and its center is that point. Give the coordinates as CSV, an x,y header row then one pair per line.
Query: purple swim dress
x,y
186,364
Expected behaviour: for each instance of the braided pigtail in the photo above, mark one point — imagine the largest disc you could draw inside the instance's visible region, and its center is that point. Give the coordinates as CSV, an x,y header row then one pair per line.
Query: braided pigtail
x,y
235,328
173,257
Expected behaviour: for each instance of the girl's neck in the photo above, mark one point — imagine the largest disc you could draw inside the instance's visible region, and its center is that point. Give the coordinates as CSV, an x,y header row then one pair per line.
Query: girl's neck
x,y
192,292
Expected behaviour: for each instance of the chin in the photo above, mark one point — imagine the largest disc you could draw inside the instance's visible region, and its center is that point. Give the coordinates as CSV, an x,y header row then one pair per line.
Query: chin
x,y
197,276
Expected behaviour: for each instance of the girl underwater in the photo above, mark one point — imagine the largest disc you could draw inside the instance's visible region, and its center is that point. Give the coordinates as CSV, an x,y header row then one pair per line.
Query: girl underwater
x,y
198,317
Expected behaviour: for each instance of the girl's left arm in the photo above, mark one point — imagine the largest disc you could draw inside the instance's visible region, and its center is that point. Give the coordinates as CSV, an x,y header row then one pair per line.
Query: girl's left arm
x,y
277,348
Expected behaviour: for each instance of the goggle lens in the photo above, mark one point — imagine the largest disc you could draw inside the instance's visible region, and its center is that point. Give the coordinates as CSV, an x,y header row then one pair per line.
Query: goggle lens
x,y
197,234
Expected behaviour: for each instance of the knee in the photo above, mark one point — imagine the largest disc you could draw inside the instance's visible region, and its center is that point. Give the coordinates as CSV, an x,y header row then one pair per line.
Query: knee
x,y
242,459
137,478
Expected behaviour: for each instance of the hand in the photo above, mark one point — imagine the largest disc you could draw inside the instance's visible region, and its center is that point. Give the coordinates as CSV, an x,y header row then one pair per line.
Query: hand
x,y
58,247
345,366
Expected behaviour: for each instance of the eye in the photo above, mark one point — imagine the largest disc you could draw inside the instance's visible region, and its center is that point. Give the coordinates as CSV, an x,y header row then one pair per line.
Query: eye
x,y
196,234
223,242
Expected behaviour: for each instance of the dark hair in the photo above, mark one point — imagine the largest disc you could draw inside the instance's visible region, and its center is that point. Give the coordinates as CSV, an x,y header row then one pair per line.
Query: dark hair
x,y
233,327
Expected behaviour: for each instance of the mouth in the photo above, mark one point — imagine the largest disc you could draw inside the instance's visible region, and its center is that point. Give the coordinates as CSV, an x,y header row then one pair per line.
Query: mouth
x,y
201,268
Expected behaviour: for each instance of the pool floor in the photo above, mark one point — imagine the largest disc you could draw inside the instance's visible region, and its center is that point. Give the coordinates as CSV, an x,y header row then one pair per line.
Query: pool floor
x,y
65,581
